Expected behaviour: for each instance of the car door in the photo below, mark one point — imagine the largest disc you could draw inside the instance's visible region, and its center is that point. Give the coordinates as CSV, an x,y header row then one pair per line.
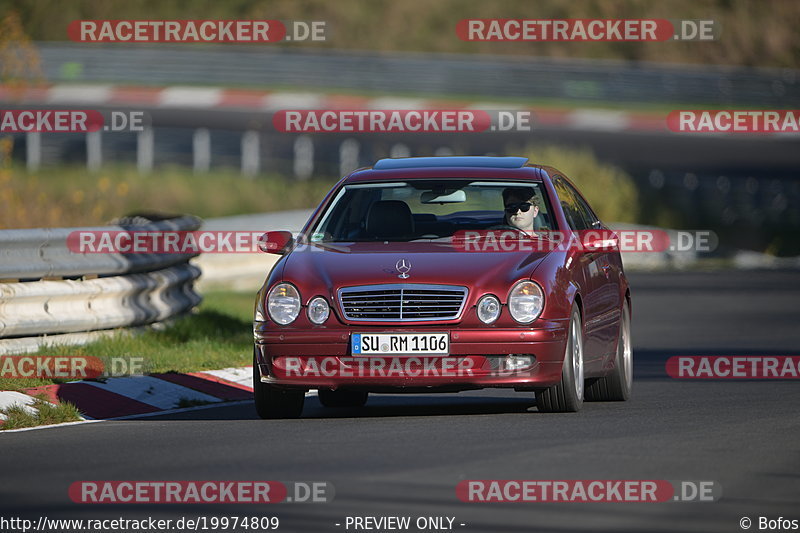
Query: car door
x,y
607,290
590,266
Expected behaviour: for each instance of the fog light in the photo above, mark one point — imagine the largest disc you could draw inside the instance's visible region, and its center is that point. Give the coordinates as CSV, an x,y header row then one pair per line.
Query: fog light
x,y
318,310
488,309
515,362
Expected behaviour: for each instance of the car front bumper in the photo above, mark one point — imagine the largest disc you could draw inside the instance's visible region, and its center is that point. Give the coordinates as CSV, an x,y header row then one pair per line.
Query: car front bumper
x,y
321,358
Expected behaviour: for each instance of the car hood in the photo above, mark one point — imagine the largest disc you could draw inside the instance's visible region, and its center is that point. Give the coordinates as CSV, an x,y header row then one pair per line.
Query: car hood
x,y
350,264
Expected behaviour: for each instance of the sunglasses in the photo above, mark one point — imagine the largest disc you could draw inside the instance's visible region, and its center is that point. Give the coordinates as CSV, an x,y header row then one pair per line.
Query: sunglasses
x,y
522,206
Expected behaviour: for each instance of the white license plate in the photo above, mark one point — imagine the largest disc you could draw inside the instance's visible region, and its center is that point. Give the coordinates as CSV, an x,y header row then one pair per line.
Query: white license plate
x,y
401,343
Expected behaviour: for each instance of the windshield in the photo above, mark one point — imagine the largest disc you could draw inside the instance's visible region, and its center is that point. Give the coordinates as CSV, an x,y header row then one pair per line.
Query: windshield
x,y
428,209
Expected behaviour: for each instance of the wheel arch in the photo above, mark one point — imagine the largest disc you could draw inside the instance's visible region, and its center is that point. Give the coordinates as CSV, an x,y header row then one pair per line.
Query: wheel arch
x,y
628,301
579,301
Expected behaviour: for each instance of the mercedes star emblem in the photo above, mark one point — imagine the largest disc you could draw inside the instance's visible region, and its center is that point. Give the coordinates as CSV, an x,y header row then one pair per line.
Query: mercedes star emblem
x,y
403,266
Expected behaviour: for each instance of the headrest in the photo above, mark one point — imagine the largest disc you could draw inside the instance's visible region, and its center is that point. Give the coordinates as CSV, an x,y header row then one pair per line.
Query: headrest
x,y
390,219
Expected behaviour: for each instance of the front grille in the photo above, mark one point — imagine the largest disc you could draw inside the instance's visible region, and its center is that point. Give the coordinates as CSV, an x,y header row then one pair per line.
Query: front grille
x,y
402,302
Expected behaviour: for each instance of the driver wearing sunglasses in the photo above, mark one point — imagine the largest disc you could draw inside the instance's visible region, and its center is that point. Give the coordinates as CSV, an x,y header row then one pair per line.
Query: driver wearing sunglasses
x,y
521,208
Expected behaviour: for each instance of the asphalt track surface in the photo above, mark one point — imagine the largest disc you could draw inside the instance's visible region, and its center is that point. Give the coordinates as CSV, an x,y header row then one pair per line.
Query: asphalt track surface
x,y
404,455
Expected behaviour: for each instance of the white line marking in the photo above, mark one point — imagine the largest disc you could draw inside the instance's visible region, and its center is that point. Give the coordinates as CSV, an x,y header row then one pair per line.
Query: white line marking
x,y
241,376
152,391
189,97
294,101
598,119
88,94
9,398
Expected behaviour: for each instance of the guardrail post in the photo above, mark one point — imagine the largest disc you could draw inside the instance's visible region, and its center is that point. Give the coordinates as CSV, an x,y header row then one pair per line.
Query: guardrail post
x,y
33,150
303,157
400,150
250,153
144,151
201,150
444,151
348,156
94,150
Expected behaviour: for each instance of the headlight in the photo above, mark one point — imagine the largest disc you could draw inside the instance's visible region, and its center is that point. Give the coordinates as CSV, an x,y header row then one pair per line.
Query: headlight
x,y
318,310
525,302
283,303
488,308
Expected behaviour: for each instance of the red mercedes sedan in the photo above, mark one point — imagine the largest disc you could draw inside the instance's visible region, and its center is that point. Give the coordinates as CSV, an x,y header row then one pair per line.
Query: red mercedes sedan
x,y
444,274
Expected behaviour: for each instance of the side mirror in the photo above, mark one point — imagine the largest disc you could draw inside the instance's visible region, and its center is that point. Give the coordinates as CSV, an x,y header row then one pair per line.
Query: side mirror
x,y
275,242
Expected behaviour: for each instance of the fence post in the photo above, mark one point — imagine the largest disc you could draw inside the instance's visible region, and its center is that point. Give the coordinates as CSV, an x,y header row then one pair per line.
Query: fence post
x,y
201,150
94,150
33,150
348,156
250,153
303,157
144,151
399,150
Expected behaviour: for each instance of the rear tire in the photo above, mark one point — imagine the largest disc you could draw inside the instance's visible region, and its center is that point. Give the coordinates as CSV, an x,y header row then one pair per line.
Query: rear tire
x,y
342,398
616,387
567,396
272,402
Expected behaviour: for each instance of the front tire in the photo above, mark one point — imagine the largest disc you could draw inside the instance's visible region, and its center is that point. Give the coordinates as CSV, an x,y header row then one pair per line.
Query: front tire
x,y
567,396
272,402
616,387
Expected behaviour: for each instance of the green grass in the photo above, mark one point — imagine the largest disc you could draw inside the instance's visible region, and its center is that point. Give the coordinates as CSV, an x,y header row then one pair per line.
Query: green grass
x,y
66,196
219,335
186,402
46,413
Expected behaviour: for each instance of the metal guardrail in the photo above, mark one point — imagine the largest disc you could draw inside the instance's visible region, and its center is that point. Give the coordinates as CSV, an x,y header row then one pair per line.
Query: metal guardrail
x,y
70,306
437,74
111,290
33,254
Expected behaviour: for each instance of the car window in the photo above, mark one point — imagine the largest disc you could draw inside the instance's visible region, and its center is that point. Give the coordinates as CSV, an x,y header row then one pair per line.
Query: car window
x,y
577,216
586,212
421,209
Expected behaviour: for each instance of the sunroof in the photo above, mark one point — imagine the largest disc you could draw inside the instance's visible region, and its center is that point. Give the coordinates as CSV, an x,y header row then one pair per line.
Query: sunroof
x,y
457,161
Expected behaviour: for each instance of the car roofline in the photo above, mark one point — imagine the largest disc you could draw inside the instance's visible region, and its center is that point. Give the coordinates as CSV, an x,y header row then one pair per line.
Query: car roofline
x,y
524,173
468,161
